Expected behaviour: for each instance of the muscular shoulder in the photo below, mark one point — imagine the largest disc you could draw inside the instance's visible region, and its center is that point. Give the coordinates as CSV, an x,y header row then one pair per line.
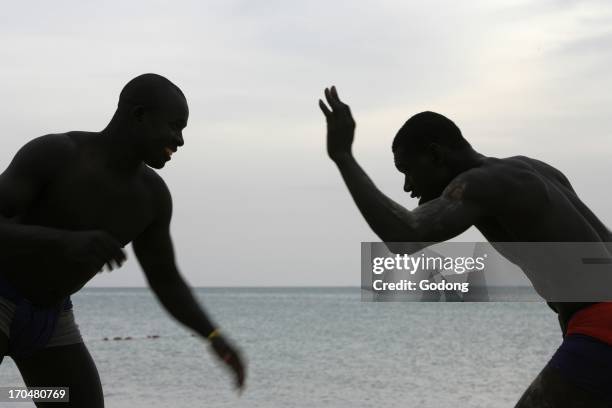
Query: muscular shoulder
x,y
546,170
498,183
52,148
33,167
42,157
57,142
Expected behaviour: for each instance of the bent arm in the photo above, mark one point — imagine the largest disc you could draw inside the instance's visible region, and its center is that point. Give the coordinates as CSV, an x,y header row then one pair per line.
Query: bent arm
x,y
436,221
20,185
19,239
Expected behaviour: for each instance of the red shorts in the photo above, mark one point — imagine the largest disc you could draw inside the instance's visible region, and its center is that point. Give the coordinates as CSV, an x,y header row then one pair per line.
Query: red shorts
x,y
594,321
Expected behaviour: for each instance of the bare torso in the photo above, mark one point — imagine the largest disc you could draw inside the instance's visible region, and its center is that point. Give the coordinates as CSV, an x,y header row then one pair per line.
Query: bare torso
x,y
83,194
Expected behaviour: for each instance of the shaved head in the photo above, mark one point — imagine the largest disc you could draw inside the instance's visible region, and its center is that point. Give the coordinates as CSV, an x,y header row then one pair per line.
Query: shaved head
x,y
151,91
425,128
152,113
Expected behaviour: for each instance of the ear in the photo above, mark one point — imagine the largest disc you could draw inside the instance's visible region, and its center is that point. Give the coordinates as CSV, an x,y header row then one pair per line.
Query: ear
x,y
138,112
437,153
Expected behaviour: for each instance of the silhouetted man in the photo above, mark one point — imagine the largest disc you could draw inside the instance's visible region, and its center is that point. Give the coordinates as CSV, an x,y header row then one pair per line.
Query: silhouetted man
x,y
515,199
69,203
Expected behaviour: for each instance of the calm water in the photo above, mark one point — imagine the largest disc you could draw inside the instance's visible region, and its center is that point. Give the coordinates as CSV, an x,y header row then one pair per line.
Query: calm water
x,y
315,347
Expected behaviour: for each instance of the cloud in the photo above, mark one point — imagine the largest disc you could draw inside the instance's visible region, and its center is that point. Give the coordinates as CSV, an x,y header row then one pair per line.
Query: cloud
x,y
254,191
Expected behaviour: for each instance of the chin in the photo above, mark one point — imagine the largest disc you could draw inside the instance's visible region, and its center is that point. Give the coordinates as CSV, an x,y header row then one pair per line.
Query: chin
x,y
155,165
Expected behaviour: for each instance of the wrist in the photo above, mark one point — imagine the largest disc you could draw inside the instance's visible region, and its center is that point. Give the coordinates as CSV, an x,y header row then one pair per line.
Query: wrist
x,y
215,333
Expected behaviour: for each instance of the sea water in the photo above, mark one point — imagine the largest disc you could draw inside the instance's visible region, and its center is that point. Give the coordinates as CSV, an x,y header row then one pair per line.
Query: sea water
x,y
313,347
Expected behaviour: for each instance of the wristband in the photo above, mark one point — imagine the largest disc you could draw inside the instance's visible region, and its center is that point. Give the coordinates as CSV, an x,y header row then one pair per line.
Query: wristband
x,y
213,334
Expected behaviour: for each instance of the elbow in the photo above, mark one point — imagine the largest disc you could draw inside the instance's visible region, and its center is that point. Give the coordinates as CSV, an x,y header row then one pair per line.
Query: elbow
x,y
397,238
402,242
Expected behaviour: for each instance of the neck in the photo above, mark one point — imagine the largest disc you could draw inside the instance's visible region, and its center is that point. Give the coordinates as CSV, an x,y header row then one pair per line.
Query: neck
x,y
119,152
466,160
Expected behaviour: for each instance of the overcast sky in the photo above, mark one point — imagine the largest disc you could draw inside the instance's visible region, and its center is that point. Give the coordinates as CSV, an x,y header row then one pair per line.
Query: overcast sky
x,y
256,200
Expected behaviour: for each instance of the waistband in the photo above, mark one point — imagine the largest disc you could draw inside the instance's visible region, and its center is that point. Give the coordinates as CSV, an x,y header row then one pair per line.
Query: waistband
x,y
593,321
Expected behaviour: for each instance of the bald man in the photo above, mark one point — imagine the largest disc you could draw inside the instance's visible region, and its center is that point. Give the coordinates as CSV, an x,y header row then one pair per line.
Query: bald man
x,y
69,203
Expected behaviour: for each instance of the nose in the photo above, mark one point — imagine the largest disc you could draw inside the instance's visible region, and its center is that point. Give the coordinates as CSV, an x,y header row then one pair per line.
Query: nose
x,y
179,140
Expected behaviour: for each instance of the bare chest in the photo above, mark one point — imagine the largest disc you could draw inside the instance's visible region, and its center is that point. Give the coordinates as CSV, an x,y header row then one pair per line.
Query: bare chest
x,y
87,198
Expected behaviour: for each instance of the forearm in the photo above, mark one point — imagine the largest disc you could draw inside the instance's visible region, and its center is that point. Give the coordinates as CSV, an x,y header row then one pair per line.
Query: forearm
x,y
19,239
388,220
177,298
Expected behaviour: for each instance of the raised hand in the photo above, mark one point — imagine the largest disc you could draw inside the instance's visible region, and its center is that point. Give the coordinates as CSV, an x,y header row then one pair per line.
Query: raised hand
x,y
231,358
340,124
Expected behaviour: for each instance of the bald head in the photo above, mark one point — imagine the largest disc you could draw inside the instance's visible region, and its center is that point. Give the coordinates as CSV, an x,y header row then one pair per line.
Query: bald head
x,y
151,115
151,91
428,127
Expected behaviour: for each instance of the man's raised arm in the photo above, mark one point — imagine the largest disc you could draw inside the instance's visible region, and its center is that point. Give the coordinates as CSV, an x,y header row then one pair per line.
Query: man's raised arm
x,y
438,220
154,251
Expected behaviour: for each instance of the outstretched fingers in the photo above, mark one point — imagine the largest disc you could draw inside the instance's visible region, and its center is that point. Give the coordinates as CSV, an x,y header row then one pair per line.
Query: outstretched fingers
x,y
324,108
331,99
334,108
334,94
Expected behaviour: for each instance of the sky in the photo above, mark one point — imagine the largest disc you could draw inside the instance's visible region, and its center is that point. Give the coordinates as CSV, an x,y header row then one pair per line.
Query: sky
x,y
256,200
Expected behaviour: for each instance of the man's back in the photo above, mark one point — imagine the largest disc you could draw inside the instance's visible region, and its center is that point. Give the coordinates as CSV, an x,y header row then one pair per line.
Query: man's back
x,y
536,204
526,202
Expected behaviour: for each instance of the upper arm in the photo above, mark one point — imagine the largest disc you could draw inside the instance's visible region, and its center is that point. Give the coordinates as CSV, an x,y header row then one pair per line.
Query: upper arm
x,y
153,247
29,171
450,214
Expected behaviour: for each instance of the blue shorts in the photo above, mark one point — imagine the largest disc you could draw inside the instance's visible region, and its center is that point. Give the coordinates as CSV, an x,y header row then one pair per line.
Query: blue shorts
x,y
30,328
586,362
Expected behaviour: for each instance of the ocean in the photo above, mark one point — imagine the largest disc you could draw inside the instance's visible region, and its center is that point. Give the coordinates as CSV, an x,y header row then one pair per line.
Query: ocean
x,y
313,347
